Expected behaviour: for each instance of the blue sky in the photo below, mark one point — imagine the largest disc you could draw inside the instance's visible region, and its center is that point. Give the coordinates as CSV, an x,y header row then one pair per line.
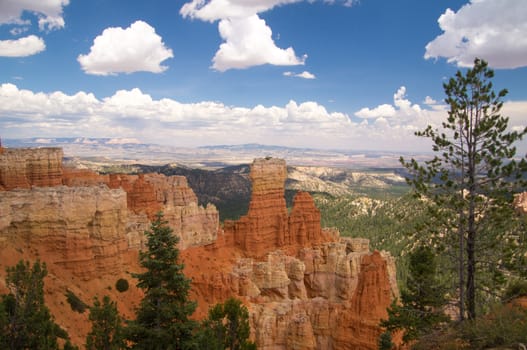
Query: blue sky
x,y
346,74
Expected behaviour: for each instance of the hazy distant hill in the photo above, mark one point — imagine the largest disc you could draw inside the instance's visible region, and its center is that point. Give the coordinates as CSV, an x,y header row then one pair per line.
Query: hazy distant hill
x,y
218,156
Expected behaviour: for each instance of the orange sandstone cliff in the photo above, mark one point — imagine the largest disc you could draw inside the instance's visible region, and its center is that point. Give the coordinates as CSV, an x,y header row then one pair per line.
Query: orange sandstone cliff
x,y
305,287
88,228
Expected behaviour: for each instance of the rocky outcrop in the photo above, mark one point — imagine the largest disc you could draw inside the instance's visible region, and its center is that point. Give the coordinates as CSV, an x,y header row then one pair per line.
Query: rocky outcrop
x,y
520,202
80,228
25,168
328,295
305,287
145,195
36,206
267,225
88,228
148,194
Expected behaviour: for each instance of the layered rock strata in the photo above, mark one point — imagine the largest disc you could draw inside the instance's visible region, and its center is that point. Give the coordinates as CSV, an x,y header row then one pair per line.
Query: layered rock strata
x,y
305,287
267,225
79,228
42,201
25,167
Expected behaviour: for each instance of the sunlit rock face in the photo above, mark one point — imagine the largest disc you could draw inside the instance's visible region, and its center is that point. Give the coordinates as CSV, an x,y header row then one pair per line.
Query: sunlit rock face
x,y
268,225
87,227
28,167
305,287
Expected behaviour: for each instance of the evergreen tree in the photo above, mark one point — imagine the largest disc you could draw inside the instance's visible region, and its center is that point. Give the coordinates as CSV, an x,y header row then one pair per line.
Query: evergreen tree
x,y
421,304
25,321
385,341
162,319
470,181
107,329
227,327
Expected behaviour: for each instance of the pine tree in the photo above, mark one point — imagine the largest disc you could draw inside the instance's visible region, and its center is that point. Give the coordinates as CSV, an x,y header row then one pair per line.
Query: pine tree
x,y
226,327
470,181
107,328
25,321
162,319
385,341
420,309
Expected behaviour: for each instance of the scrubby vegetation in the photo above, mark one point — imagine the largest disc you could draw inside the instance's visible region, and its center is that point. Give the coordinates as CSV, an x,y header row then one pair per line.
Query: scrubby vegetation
x,y
122,285
25,321
107,326
75,302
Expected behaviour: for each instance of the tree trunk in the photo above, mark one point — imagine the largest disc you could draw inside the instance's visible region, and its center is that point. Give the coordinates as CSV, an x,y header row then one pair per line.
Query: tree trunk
x,y
461,272
471,260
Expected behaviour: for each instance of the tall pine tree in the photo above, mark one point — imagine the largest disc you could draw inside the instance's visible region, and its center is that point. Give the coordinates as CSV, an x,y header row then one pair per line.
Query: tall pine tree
x,y
421,305
226,327
162,319
470,182
25,321
107,329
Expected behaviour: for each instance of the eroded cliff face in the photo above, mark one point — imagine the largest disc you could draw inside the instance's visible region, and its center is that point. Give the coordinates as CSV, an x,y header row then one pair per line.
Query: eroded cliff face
x,y
305,287
267,225
24,168
88,228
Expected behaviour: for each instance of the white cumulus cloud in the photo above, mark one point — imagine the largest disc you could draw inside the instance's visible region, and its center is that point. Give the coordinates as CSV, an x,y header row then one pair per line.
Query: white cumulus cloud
x,y
22,47
494,30
247,39
48,11
381,111
402,118
133,49
248,42
304,75
214,10
134,114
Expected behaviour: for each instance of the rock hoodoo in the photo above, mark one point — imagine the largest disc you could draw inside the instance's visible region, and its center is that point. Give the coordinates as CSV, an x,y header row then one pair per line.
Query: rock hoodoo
x,y
305,287
268,226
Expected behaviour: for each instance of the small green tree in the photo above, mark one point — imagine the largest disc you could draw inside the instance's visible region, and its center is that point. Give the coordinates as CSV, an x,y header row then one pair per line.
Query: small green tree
x,y
122,285
385,341
470,181
107,329
226,327
162,319
421,304
25,321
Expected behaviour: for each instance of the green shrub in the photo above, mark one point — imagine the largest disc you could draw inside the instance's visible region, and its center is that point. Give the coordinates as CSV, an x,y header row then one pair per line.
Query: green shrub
x,y
516,289
385,341
503,327
122,285
75,302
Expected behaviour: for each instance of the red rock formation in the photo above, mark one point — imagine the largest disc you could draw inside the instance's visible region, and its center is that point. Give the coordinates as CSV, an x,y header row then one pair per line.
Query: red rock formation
x,y
267,225
141,194
264,227
305,288
73,177
24,168
304,221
